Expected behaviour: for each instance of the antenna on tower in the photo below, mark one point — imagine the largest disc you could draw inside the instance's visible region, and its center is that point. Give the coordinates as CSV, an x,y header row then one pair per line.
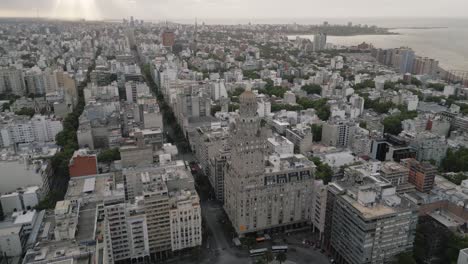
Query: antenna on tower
x,y
195,35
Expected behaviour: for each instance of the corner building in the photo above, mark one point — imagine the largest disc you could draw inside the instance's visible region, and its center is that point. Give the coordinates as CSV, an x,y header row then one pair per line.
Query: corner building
x,y
264,193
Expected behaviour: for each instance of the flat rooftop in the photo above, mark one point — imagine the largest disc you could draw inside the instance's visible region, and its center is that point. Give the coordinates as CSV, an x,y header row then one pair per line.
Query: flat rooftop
x,y
10,230
376,211
447,219
93,188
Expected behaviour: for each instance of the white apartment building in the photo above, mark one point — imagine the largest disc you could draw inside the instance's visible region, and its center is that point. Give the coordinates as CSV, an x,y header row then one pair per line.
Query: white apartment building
x,y
11,81
337,133
185,219
24,130
171,205
280,145
126,234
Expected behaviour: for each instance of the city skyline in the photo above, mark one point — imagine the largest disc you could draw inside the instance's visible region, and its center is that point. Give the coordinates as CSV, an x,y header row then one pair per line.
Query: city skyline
x,y
229,9
144,138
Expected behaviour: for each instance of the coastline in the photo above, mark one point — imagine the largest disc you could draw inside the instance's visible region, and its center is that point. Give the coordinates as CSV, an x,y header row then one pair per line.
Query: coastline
x,y
430,42
389,33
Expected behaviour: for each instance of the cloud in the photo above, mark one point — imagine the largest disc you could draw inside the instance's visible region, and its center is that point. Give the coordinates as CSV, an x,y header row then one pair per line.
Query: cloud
x,y
252,9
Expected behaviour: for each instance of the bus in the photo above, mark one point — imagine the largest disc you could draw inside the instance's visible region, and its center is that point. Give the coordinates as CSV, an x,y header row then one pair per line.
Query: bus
x,y
279,249
258,252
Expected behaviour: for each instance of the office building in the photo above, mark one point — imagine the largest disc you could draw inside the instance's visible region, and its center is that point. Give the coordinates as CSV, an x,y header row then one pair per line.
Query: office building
x,y
301,137
429,146
320,41
397,175
126,234
425,66
171,206
370,223
263,193
168,38
403,59
391,148
217,173
280,145
12,241
337,133
11,81
421,174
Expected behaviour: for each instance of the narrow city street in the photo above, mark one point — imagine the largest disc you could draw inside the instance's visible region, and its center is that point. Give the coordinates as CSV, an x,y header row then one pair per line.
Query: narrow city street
x,y
218,242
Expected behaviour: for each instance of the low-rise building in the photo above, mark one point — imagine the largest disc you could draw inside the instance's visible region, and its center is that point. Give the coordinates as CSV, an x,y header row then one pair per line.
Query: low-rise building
x,y
301,137
83,163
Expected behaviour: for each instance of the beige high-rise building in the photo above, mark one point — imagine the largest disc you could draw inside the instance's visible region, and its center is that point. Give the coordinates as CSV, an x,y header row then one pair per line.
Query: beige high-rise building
x,y
264,193
66,82
11,81
171,205
156,204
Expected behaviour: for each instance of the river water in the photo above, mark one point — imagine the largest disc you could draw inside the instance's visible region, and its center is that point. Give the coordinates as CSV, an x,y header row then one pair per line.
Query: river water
x,y
448,43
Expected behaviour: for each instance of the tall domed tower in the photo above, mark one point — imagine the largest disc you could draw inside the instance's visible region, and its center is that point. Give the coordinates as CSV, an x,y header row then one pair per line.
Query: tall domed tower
x,y
247,141
246,167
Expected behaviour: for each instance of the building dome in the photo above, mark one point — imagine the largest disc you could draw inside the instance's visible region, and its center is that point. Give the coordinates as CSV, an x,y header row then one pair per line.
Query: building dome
x,y
247,96
248,104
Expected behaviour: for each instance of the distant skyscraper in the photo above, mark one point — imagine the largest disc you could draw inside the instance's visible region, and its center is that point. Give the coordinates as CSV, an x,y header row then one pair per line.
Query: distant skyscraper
x,y
11,81
168,38
320,41
425,66
403,59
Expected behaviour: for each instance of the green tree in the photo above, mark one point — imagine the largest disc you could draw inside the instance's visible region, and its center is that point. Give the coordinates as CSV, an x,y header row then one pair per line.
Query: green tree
x,y
389,85
453,247
240,58
392,124
238,91
269,256
316,132
455,160
323,171
363,124
364,84
233,107
281,257
436,86
288,107
251,74
457,178
5,106
248,241
67,140
215,109
430,241
312,89
321,107
381,108
109,155
415,81
26,111
277,91
405,258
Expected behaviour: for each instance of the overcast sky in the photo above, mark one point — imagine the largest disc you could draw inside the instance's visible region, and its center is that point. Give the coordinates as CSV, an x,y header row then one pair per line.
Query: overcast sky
x,y
232,9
